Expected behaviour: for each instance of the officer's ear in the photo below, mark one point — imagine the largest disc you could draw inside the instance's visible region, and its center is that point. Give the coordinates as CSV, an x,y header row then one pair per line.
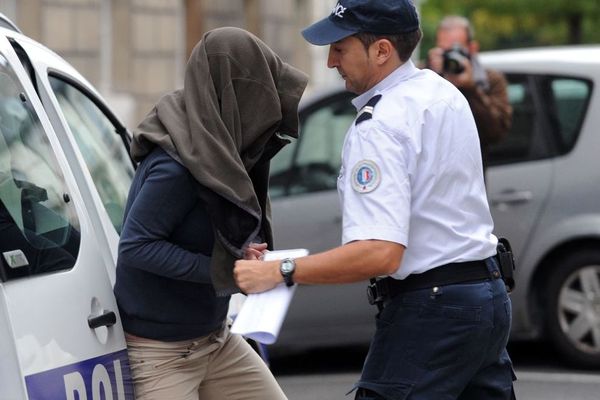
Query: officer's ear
x,y
382,50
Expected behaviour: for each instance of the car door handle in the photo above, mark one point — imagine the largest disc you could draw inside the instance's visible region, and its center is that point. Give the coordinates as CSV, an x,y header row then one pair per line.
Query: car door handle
x,y
511,196
109,318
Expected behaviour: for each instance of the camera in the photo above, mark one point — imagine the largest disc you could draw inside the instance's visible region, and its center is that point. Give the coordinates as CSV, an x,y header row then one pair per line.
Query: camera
x,y
454,59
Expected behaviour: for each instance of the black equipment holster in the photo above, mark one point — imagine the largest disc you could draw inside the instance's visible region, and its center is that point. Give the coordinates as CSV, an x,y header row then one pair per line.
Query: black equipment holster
x,y
376,294
506,261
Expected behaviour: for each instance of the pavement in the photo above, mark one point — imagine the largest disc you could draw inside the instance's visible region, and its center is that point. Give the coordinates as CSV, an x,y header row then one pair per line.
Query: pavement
x,y
532,385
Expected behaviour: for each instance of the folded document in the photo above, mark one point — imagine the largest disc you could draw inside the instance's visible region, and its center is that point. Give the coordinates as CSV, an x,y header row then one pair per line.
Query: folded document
x,y
262,314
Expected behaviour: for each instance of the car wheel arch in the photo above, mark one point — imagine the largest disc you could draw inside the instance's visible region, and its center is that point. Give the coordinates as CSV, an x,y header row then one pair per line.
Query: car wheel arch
x,y
546,268
537,279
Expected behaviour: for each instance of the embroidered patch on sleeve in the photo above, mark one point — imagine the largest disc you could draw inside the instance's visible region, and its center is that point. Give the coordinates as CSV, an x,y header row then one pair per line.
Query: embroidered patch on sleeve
x,y
366,176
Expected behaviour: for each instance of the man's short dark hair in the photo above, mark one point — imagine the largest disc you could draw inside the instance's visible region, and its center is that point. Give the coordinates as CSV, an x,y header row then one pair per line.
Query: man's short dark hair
x,y
404,43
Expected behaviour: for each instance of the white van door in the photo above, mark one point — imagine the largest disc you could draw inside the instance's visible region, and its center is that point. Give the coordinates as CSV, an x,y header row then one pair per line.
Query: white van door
x,y
95,141
60,326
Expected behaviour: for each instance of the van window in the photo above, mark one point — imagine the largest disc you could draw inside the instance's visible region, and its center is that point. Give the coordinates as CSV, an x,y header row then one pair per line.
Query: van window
x,y
39,229
102,148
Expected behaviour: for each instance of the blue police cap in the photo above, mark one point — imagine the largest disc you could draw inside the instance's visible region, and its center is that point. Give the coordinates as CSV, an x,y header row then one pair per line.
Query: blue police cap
x,y
384,17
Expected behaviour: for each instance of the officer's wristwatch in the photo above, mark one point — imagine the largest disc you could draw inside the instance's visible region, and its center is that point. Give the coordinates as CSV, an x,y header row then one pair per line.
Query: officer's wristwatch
x,y
287,268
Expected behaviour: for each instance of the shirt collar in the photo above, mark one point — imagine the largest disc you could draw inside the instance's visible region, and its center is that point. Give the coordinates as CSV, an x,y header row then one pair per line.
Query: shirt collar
x,y
400,74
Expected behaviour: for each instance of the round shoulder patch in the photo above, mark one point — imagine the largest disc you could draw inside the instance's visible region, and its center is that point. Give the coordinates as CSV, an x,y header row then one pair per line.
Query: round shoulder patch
x,y
365,176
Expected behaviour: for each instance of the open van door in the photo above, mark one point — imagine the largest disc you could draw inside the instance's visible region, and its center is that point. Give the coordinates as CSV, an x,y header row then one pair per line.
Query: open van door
x,y
95,142
60,334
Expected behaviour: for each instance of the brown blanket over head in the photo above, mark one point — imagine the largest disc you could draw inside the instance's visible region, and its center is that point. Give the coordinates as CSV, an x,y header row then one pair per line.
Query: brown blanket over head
x,y
225,126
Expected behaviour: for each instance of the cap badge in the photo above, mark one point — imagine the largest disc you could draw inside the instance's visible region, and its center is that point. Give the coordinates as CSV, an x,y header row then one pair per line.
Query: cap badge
x,y
339,10
365,176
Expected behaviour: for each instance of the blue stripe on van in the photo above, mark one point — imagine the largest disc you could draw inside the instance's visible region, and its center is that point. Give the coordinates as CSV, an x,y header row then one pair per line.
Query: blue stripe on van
x,y
91,379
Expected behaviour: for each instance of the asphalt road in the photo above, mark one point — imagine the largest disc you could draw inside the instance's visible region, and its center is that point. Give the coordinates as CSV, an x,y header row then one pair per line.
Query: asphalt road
x,y
329,374
530,386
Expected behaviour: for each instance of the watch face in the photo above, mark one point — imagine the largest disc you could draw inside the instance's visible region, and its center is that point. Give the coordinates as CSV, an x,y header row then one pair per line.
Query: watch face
x,y
287,266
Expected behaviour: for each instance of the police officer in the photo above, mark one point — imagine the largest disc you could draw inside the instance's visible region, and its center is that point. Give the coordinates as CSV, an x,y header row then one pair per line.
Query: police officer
x,y
415,218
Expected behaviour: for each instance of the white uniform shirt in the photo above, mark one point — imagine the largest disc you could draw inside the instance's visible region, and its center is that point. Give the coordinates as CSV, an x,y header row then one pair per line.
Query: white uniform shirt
x,y
412,174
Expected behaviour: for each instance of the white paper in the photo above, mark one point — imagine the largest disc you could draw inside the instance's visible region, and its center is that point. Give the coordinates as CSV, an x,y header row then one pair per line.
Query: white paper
x,y
262,314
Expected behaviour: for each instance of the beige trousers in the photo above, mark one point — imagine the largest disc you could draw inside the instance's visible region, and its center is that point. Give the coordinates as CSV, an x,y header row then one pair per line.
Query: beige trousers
x,y
220,366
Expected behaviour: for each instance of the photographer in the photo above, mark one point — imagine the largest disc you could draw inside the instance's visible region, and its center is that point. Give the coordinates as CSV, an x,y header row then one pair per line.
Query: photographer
x,y
455,58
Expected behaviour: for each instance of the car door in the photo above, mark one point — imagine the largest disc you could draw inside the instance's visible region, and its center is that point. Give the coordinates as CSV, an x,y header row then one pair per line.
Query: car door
x,y
60,327
96,142
306,213
519,177
304,178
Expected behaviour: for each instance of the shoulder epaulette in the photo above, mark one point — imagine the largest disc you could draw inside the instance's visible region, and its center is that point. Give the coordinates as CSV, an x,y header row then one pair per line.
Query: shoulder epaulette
x,y
367,111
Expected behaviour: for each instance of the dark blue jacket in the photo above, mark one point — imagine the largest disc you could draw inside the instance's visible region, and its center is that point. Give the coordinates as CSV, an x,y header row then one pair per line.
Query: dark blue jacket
x,y
163,286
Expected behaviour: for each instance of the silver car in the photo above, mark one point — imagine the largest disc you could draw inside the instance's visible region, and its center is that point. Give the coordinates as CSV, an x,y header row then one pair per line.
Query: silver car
x,y
543,188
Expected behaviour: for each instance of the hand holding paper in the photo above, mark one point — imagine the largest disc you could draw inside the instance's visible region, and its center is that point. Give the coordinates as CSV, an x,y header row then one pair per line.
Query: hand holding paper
x,y
262,314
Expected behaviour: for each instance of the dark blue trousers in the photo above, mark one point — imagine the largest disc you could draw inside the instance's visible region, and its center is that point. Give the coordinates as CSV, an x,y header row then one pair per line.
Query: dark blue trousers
x,y
444,344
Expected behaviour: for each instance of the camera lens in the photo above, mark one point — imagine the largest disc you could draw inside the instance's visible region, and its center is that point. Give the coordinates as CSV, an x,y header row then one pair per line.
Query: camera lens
x,y
453,66
454,60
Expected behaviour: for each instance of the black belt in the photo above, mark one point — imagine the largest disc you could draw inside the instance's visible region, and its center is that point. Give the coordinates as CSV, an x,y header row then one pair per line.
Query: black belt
x,y
470,271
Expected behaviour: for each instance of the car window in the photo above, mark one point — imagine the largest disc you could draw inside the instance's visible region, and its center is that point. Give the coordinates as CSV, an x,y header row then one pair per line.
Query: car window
x,y
518,144
280,167
313,162
102,148
39,229
569,100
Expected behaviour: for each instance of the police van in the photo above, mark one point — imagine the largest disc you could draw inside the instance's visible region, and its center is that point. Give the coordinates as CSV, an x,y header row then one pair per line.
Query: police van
x,y
65,171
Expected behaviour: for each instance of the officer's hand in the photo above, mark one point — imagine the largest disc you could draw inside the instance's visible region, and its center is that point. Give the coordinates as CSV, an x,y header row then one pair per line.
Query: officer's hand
x,y
435,60
255,251
464,80
254,276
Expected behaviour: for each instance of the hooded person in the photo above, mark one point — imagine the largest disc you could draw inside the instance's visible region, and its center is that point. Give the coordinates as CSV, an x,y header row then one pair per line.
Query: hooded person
x,y
197,203
224,127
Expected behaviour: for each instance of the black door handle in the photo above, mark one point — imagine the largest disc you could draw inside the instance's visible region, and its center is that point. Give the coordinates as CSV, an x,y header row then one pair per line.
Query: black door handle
x,y
109,318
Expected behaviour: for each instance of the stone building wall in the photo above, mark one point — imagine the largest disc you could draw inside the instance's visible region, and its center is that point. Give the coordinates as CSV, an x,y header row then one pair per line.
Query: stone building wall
x,y
148,50
131,50
69,27
134,51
